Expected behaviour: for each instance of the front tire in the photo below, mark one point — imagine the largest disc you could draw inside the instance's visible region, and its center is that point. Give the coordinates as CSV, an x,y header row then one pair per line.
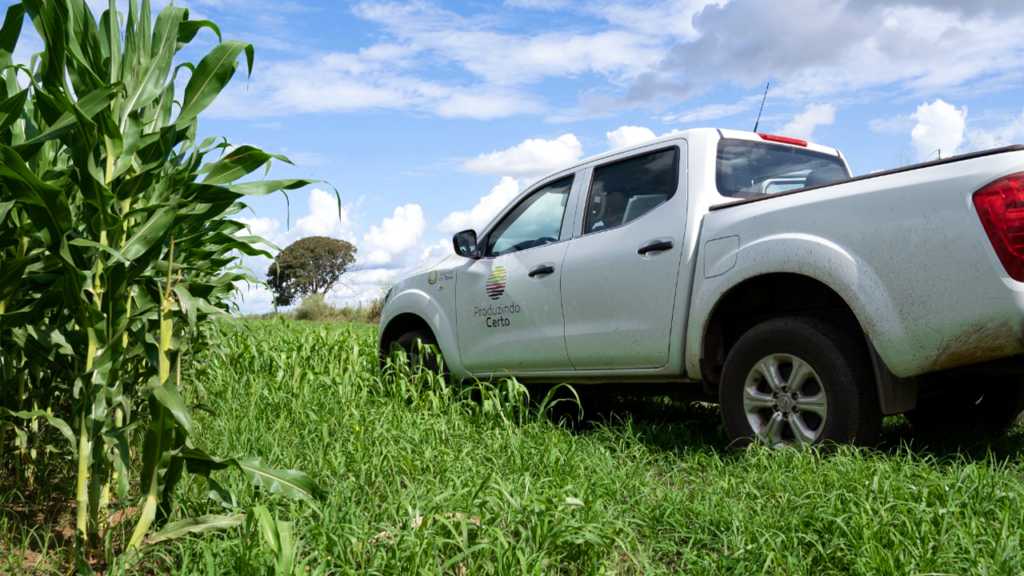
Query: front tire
x,y
420,349
799,381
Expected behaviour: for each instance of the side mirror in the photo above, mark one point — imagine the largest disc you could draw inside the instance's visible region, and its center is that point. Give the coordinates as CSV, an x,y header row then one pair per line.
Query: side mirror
x,y
465,244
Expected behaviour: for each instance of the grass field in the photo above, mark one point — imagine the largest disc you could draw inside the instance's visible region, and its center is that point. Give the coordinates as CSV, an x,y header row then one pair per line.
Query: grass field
x,y
421,479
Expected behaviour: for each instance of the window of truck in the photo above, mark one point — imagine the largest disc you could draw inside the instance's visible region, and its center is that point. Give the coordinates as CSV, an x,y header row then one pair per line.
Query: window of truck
x,y
750,169
534,222
625,190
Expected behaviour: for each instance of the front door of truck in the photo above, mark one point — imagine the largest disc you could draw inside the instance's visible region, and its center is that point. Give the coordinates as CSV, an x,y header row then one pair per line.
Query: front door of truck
x,y
509,312
619,277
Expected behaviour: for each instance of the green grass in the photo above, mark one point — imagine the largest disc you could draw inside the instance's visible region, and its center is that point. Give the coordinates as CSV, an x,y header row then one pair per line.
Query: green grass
x,y
418,478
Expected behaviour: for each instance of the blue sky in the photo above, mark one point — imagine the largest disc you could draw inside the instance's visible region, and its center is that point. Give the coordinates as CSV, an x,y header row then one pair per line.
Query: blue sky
x,y
427,117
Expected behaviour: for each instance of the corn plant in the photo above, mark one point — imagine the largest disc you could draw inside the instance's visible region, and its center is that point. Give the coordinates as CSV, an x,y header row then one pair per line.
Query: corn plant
x,y
116,250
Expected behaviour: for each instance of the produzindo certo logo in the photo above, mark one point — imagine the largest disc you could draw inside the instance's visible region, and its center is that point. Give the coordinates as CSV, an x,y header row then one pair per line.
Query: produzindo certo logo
x,y
496,282
432,277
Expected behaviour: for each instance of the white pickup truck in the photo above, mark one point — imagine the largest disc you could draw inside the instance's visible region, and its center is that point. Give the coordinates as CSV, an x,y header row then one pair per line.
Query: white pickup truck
x,y
749,270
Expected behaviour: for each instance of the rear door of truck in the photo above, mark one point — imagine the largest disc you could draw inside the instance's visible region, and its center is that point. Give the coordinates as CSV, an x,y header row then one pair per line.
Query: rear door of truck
x,y
621,268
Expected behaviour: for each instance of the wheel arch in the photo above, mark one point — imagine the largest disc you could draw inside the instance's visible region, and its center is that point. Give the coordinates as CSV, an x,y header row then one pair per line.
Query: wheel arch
x,y
774,295
764,297
399,325
412,309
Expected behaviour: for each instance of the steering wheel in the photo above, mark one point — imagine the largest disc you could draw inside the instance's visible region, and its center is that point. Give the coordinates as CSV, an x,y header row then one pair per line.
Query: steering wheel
x,y
525,244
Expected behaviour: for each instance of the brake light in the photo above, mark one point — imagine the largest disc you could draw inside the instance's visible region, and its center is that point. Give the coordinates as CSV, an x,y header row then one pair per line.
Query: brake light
x,y
1000,206
783,139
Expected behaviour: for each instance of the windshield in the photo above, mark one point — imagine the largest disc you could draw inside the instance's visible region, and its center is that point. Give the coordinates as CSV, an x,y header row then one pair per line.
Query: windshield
x,y
750,169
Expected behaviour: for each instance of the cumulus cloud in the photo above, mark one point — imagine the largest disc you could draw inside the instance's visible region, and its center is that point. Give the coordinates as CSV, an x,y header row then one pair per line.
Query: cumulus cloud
x,y
624,136
802,126
391,243
264,227
940,126
324,217
531,159
485,210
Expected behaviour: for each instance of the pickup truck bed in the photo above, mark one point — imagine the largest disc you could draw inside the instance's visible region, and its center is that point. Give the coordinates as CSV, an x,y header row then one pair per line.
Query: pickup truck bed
x,y
903,248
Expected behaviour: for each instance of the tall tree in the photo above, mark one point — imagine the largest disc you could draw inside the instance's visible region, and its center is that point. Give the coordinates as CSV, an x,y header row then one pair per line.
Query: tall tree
x,y
309,266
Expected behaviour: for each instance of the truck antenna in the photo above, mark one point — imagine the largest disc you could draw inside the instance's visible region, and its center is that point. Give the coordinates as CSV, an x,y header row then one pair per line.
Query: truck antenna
x,y
758,123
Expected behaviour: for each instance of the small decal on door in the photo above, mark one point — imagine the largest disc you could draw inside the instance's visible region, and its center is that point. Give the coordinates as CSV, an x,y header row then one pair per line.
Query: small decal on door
x,y
436,276
496,282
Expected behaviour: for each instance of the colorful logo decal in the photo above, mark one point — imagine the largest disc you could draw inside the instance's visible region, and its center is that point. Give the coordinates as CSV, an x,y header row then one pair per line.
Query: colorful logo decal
x,y
496,282
432,277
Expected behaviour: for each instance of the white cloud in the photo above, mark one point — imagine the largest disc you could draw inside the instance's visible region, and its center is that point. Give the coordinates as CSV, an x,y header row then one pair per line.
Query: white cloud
x,y
486,102
624,136
1009,133
504,58
940,126
269,230
713,111
817,48
485,210
253,298
350,82
530,159
436,252
663,18
392,242
802,126
324,217
264,227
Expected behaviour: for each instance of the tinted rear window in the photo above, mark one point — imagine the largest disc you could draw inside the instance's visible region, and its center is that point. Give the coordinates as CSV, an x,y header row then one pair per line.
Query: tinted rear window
x,y
751,169
623,191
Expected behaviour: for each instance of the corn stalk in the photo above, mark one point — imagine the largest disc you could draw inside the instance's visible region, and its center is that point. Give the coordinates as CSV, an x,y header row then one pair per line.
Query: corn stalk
x,y
115,247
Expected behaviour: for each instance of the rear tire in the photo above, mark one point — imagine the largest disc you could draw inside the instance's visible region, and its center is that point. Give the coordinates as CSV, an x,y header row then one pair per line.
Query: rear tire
x,y
799,381
993,406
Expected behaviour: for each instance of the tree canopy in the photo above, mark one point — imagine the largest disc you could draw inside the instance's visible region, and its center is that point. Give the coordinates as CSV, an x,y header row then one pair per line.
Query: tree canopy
x,y
308,266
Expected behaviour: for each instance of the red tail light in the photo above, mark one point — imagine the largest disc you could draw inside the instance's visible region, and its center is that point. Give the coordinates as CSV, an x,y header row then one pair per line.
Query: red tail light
x,y
1000,206
783,139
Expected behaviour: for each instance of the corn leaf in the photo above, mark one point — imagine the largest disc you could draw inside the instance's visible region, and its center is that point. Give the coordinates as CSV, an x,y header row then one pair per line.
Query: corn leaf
x,y
287,482
197,526
211,76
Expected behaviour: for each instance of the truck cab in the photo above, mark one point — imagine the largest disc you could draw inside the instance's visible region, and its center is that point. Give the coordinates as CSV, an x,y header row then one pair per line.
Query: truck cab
x,y
587,274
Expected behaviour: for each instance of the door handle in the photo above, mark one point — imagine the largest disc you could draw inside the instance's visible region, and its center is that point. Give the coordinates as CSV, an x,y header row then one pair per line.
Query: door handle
x,y
542,270
655,246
